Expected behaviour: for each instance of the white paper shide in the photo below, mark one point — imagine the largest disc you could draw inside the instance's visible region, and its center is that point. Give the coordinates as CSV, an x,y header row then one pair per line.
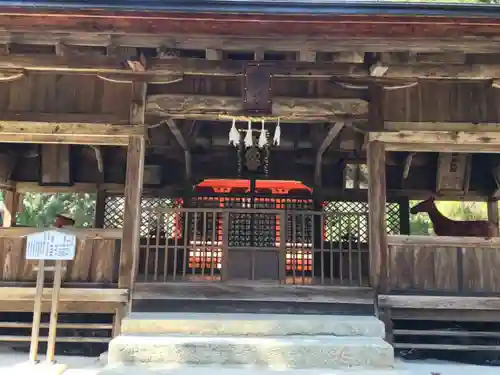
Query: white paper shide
x,y
51,245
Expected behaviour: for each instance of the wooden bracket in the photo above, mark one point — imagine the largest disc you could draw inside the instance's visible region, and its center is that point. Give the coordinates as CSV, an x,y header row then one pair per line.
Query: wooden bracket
x,y
332,134
182,142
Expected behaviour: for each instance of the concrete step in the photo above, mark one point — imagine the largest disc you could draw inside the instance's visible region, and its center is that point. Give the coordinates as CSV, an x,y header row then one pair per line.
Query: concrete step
x,y
206,324
280,352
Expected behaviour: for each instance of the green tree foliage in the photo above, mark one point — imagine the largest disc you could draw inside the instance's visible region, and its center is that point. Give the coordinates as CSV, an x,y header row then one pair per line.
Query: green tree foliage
x,y
40,210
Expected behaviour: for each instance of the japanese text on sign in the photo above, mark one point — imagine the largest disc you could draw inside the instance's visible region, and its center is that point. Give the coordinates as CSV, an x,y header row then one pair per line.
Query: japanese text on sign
x,y
51,245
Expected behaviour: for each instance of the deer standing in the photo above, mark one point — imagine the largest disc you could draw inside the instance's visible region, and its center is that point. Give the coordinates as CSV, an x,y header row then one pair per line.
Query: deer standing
x,y
444,226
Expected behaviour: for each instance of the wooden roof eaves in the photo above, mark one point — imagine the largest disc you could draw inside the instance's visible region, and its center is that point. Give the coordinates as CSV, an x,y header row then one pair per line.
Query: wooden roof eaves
x,y
249,25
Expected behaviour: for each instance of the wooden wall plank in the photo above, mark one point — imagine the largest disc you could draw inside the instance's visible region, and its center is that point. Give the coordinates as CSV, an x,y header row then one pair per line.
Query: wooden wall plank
x,y
55,164
445,268
490,266
13,258
472,269
424,268
441,101
79,268
436,268
402,269
94,262
101,270
19,101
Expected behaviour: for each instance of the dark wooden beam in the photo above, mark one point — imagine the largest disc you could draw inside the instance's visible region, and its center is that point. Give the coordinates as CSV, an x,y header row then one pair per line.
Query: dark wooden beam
x,y
395,195
67,133
182,142
332,134
437,141
176,68
376,111
245,43
439,126
84,187
444,71
251,24
292,109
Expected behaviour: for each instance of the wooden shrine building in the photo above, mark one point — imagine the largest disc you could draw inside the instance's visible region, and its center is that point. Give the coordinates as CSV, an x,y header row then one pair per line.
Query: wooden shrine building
x,y
253,155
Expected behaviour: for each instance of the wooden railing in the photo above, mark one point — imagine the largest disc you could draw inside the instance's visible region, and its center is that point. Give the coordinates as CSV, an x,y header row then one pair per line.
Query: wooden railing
x,y
96,261
447,265
217,244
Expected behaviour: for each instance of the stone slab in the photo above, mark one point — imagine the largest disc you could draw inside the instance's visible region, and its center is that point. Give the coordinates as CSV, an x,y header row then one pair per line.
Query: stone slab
x,y
280,352
206,324
218,370
42,368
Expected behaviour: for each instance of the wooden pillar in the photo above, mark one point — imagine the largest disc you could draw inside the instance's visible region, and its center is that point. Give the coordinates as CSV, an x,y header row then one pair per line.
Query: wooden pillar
x,y
133,191
12,200
493,211
404,216
100,204
376,217
132,216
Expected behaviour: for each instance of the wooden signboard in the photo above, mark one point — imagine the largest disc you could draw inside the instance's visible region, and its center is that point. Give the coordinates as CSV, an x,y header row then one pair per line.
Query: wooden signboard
x,y
453,173
55,245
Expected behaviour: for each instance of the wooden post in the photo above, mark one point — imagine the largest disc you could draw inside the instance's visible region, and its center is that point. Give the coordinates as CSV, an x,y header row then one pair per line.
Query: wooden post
x,y
132,217
37,312
225,246
376,217
493,211
11,206
133,191
50,245
56,291
99,209
404,216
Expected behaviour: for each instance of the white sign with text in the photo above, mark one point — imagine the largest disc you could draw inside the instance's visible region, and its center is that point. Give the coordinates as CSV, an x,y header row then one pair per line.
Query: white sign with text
x,y
51,245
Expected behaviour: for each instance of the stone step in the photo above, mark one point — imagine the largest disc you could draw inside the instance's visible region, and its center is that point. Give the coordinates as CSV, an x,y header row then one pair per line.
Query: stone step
x,y
279,352
202,324
219,370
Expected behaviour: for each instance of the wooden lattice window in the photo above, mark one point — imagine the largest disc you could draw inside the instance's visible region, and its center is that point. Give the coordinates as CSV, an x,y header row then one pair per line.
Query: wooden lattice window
x,y
393,218
114,209
356,176
348,221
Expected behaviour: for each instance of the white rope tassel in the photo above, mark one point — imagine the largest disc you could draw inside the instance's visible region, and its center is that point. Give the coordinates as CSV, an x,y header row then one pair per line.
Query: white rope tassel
x,y
277,134
249,137
234,135
263,136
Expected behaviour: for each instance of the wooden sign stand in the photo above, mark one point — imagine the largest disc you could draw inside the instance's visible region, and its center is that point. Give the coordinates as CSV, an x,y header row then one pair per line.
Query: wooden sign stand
x,y
48,245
